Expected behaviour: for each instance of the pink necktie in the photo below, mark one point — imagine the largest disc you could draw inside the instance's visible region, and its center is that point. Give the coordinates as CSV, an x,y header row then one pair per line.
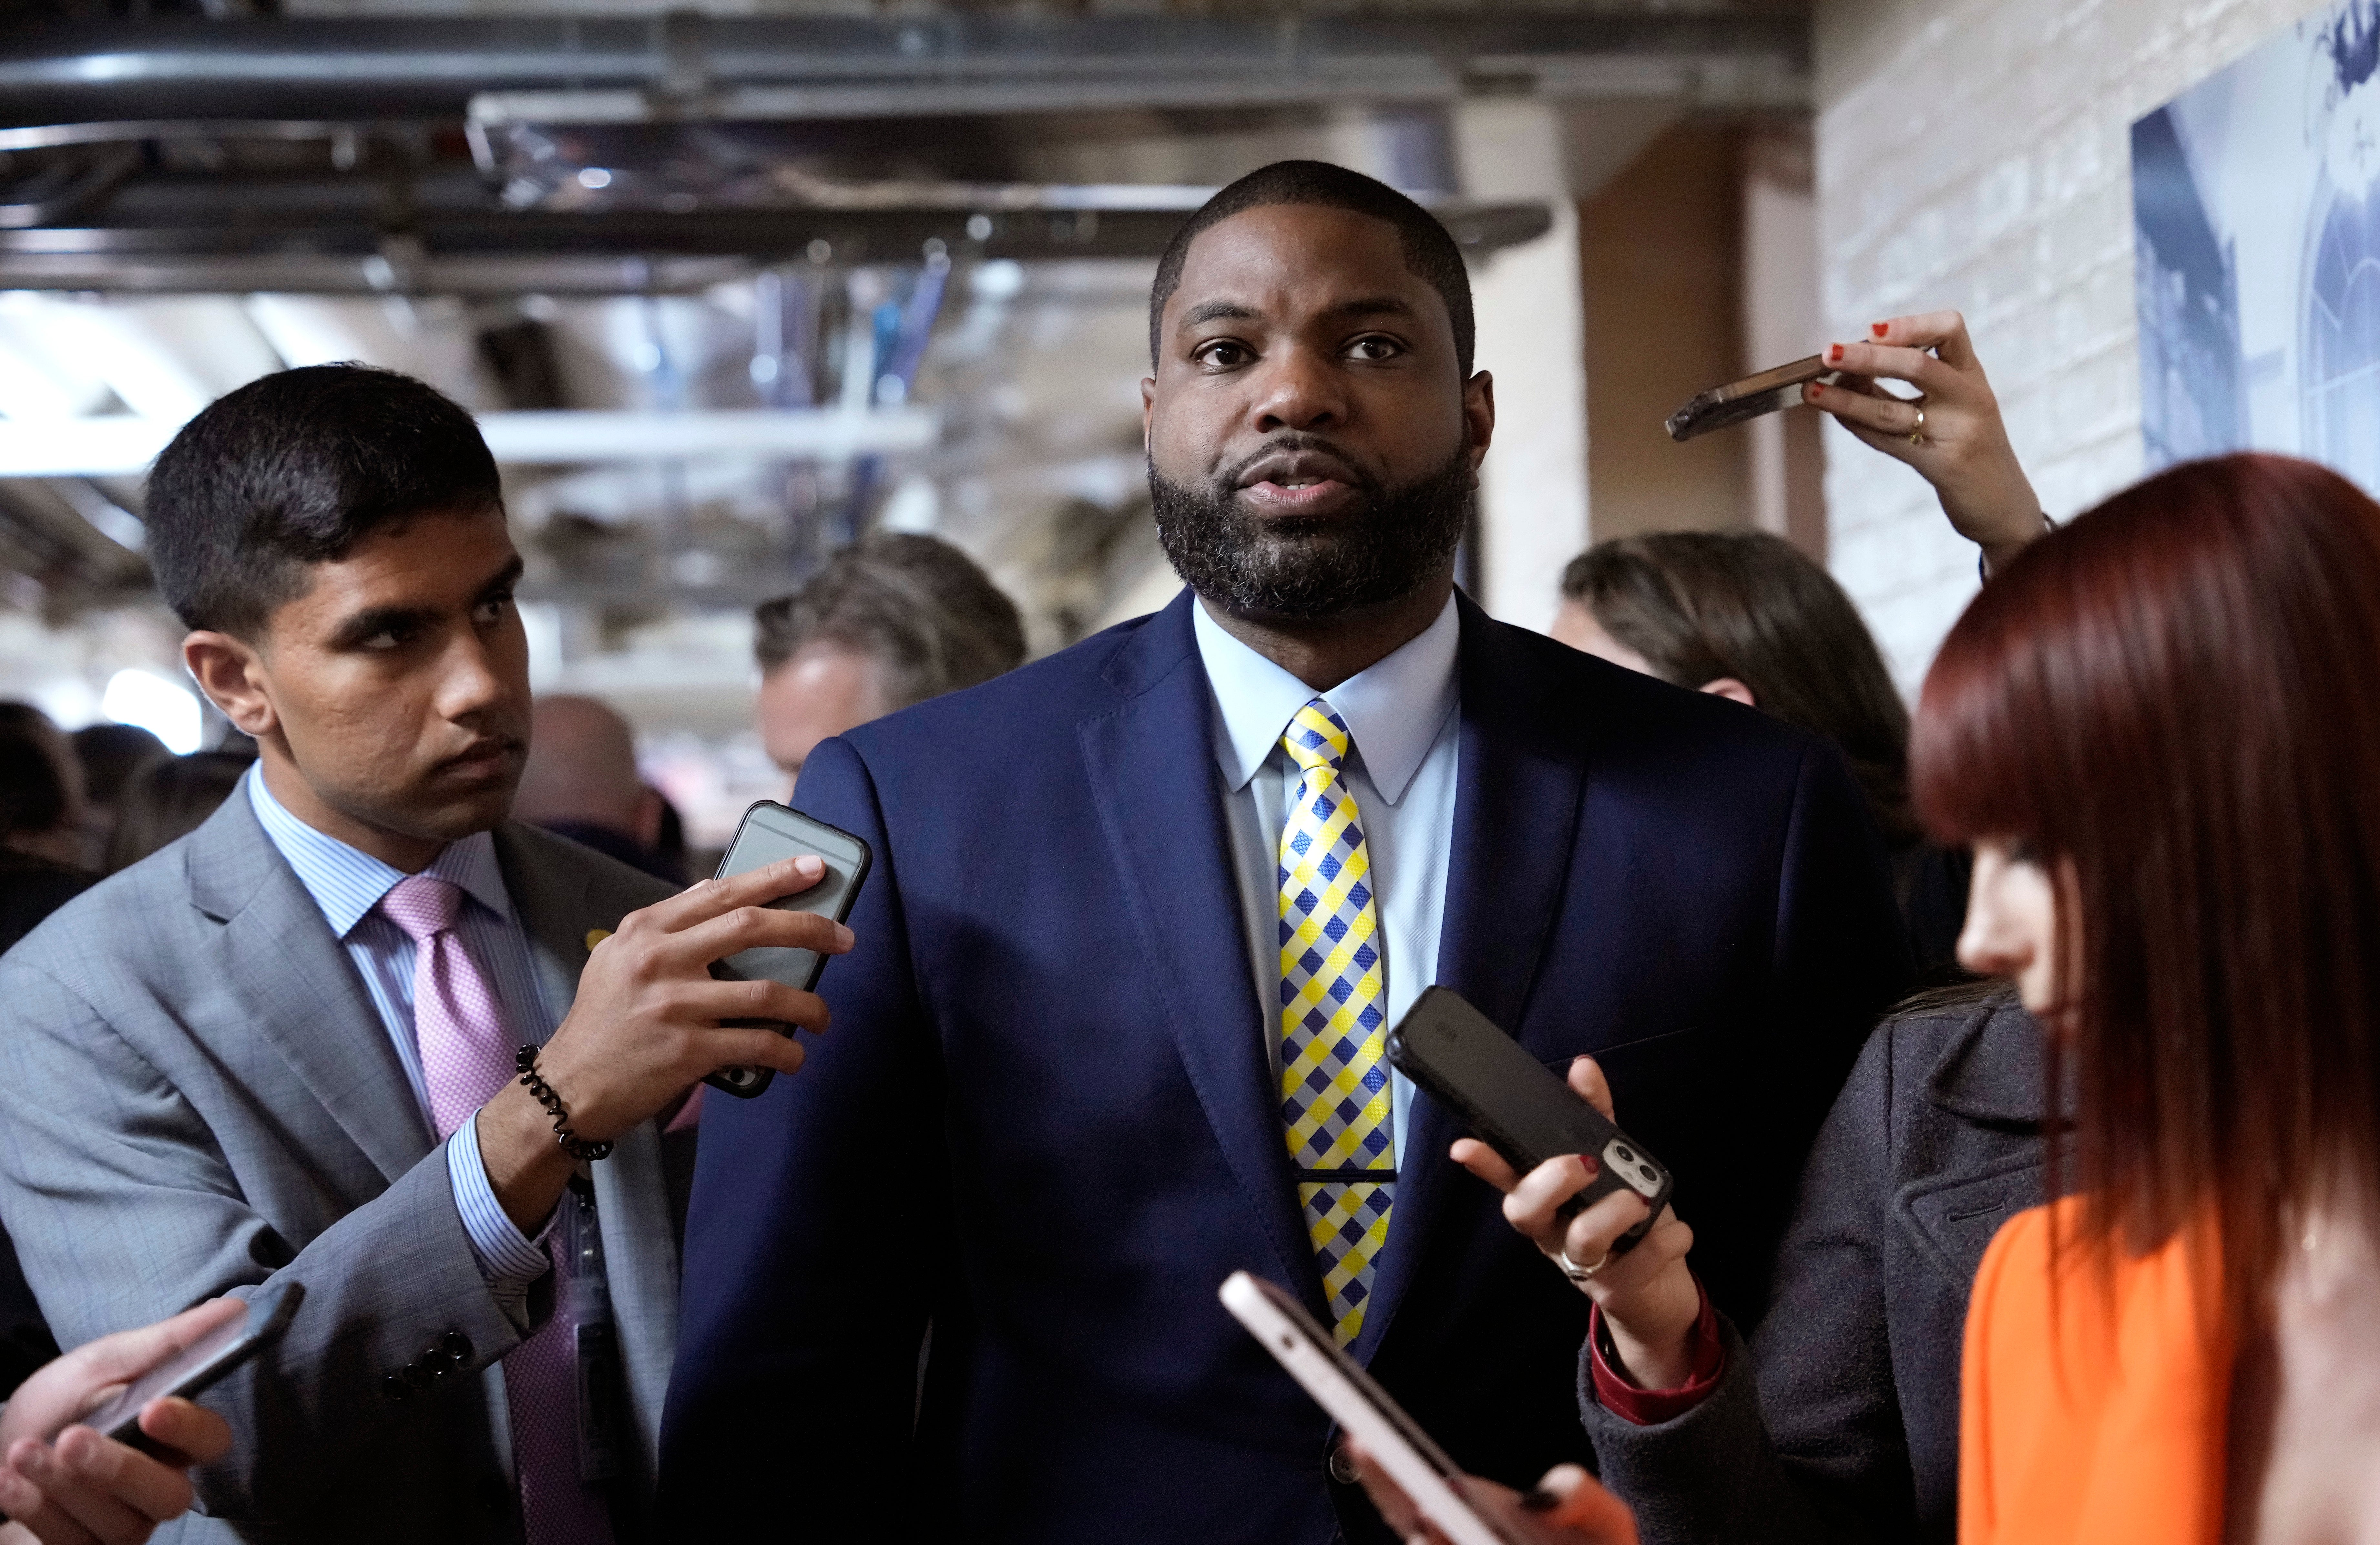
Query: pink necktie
x,y
467,1056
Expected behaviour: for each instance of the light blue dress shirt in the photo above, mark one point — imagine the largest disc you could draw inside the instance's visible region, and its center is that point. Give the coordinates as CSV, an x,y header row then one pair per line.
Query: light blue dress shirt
x,y
1401,717
347,885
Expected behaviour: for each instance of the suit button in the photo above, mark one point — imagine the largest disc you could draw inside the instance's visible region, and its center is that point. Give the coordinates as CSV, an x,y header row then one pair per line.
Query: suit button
x,y
396,1386
1342,1467
457,1345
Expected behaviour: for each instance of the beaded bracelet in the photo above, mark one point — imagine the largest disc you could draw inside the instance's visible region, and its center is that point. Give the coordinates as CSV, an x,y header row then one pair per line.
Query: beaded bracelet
x,y
572,1144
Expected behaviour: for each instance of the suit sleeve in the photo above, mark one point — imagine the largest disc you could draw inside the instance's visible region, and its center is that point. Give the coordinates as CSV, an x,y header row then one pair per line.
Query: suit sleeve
x,y
1803,1442
125,1211
1840,959
816,1245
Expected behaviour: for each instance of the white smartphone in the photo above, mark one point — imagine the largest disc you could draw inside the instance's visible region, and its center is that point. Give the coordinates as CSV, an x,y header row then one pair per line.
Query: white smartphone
x,y
191,1371
1360,1406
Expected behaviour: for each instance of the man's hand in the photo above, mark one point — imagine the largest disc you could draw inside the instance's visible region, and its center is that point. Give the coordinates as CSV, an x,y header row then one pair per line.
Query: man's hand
x,y
646,1024
1569,1507
77,1488
1648,1297
1964,447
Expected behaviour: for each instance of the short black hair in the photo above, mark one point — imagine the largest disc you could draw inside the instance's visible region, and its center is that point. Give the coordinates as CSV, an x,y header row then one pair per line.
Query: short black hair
x,y
294,468
921,609
1430,251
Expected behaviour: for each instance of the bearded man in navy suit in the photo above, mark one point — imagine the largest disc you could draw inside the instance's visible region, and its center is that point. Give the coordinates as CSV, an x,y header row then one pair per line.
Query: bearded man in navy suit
x,y
1085,1063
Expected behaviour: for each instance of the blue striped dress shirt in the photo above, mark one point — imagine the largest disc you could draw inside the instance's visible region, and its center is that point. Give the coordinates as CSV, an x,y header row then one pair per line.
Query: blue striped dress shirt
x,y
347,883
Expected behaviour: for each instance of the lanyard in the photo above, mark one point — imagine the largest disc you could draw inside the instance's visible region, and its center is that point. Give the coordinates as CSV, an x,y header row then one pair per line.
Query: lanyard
x,y
589,1304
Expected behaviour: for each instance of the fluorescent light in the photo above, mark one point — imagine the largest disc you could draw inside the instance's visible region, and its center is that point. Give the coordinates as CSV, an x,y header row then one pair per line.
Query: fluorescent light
x,y
165,709
120,445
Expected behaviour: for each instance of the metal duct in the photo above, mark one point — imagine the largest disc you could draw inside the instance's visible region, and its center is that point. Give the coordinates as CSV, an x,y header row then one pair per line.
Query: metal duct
x,y
419,67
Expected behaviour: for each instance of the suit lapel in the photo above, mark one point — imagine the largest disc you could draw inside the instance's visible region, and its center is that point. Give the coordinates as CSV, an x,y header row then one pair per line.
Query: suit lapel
x,y
1152,770
556,911
1518,781
303,994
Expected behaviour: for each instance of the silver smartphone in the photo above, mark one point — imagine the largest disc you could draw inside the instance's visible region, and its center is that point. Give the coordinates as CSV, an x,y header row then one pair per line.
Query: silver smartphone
x,y
771,831
202,1363
1363,1410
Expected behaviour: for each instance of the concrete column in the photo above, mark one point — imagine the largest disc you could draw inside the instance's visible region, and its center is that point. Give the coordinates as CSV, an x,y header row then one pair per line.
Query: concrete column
x,y
1532,339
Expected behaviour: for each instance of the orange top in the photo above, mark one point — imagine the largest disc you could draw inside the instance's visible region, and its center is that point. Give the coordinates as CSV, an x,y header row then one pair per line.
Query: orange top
x,y
2120,1434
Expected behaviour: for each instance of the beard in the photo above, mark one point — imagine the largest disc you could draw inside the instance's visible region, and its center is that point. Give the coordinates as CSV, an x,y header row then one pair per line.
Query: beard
x,y
1307,569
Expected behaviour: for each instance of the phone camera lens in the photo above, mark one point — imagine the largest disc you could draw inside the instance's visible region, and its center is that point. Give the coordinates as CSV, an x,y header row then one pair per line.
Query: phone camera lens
x,y
1650,1173
1619,1150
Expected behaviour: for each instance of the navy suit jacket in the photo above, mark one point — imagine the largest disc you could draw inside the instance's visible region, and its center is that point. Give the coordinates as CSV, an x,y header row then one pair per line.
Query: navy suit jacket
x,y
1043,1119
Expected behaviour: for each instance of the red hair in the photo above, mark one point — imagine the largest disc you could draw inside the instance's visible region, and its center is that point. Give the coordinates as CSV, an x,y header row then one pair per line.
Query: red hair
x,y
2171,703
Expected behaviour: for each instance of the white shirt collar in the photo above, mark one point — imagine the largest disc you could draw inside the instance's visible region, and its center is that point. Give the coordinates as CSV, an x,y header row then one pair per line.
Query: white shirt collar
x,y
347,882
1394,709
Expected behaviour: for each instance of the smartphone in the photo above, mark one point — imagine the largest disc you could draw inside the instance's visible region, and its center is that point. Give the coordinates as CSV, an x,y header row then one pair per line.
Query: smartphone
x,y
1518,1106
771,831
199,1365
1749,398
1360,1406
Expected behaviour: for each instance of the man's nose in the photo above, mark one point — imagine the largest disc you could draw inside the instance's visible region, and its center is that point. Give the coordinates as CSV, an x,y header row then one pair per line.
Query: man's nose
x,y
470,682
1299,391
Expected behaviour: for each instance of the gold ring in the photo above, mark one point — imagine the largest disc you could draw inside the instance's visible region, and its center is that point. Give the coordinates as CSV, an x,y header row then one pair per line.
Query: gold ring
x,y
1917,430
1576,1272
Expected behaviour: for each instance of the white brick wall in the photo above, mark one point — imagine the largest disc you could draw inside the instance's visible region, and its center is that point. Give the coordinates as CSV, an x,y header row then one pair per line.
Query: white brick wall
x,y
1976,154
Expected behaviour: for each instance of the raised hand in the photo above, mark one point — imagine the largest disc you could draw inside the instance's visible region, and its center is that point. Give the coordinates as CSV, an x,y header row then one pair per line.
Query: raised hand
x,y
63,1484
1962,446
1648,1298
645,1023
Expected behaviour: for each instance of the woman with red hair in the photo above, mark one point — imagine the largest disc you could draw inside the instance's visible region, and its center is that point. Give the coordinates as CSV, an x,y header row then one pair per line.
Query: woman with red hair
x,y
2157,728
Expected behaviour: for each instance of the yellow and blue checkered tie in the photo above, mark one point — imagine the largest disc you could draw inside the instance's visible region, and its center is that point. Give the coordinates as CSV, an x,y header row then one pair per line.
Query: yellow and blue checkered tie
x,y
1334,1084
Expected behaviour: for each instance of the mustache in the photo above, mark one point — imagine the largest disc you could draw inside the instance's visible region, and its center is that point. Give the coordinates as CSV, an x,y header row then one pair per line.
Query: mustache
x,y
1295,443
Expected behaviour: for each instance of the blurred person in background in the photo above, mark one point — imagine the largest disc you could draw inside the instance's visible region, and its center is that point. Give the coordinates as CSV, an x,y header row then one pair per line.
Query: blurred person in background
x,y
1748,616
891,620
581,780
41,836
2157,728
65,1484
170,797
110,755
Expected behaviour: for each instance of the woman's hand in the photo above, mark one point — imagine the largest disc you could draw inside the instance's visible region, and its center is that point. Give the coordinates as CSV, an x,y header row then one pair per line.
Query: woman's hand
x,y
1963,448
77,1487
1648,1298
1569,1507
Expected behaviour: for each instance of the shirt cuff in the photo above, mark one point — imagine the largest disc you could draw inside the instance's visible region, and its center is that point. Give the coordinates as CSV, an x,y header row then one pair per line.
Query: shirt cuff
x,y
507,1260
1705,1360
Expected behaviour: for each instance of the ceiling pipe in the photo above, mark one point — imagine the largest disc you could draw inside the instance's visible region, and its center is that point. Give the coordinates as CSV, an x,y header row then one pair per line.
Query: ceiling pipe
x,y
431,66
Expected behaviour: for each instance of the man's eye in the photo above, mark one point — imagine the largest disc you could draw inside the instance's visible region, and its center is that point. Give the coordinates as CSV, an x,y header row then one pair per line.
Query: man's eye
x,y
491,610
1223,355
1375,348
386,639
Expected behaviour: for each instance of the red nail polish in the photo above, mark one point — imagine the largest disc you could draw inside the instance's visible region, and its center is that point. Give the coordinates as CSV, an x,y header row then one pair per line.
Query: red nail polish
x,y
1878,328
1834,353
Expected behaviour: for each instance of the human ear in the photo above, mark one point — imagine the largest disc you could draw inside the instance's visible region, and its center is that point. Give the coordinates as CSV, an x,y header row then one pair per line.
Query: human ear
x,y
1730,689
1479,415
231,674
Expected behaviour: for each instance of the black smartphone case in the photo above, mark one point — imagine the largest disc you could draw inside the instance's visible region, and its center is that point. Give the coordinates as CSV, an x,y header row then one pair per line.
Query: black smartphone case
x,y
750,1083
1517,1106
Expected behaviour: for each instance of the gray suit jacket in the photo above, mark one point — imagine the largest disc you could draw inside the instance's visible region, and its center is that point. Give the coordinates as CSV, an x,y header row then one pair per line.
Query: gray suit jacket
x,y
196,1094
1841,1423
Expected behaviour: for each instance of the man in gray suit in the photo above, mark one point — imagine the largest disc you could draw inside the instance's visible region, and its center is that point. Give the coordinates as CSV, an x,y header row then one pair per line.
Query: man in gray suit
x,y
283,1050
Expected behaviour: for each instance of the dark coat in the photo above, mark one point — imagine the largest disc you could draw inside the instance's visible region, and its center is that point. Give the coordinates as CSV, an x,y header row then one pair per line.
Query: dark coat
x,y
1045,1118
1842,1422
